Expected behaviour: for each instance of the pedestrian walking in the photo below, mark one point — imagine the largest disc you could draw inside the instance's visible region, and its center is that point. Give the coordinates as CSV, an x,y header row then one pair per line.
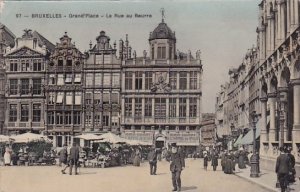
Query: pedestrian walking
x,y
137,158
63,158
214,159
74,157
241,158
205,160
282,169
152,158
176,166
229,164
223,160
292,171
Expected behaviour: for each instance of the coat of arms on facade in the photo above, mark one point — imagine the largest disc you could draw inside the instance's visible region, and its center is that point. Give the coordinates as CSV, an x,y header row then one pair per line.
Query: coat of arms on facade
x,y
161,84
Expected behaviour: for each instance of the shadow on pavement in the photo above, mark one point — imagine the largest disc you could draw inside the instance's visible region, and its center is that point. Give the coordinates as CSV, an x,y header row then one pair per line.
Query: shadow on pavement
x,y
87,173
188,188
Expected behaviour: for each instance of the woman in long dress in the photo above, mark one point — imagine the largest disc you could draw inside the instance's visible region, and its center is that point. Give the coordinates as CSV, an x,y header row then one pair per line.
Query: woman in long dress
x,y
205,160
137,158
7,156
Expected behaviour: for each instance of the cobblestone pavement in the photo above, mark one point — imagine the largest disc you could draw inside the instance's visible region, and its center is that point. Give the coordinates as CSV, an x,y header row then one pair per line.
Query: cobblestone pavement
x,y
128,178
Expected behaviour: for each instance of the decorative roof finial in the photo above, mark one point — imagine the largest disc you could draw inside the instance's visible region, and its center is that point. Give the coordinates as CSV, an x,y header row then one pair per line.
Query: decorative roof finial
x,y
162,10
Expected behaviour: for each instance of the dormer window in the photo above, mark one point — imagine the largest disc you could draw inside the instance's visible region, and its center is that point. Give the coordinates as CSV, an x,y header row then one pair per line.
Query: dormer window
x,y
60,62
69,62
161,52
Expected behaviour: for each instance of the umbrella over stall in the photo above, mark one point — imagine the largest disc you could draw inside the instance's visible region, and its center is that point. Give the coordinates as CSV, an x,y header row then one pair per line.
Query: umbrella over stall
x,y
28,137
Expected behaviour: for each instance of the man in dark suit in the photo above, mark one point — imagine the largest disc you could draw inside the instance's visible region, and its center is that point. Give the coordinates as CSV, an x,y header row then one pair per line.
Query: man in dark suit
x,y
177,164
152,158
63,158
282,169
74,157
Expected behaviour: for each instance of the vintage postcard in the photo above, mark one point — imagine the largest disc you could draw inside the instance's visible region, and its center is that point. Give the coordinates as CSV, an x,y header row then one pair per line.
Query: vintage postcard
x,y
173,95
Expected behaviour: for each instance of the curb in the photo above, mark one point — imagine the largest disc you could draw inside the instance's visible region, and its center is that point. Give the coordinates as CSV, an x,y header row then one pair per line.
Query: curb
x,y
260,184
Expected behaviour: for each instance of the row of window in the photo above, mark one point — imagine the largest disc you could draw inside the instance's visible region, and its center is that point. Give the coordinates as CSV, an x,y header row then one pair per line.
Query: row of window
x,y
160,107
148,82
26,65
61,117
103,120
62,79
24,87
161,52
97,97
171,127
36,112
67,98
105,79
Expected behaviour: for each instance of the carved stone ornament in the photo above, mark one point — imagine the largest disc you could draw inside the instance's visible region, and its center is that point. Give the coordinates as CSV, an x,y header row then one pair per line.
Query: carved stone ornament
x,y
161,84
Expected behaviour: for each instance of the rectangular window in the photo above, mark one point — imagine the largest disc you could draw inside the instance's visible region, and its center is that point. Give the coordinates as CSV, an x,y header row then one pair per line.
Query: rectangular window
x,y
60,98
69,98
106,79
89,79
128,107
115,120
68,118
128,80
76,117
51,100
13,112
152,52
77,78
36,113
24,112
193,80
98,79
173,80
13,65
105,120
88,119
25,86
182,107
172,107
59,118
36,88
138,80
114,98
116,80
37,65
60,79
97,98
88,98
161,52
193,107
148,80
25,65
106,98
148,107
160,108
52,80
13,86
50,118
68,79
183,80
97,119
138,107
170,52
78,98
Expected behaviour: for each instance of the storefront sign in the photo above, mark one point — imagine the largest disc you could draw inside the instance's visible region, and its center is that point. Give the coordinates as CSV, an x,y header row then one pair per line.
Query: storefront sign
x,y
138,136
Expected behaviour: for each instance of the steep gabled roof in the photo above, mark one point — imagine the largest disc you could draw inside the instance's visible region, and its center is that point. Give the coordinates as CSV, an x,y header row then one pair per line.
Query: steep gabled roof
x,y
43,41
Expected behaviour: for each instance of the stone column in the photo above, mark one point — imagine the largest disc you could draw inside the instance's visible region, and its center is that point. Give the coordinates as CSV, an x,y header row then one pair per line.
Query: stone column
x,y
278,24
133,80
264,137
283,93
288,12
143,81
269,36
283,27
153,109
272,103
122,110
292,15
272,34
296,12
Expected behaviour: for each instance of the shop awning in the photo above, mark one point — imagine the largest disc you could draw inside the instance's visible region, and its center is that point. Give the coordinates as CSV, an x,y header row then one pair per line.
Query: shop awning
x,y
188,144
248,138
238,141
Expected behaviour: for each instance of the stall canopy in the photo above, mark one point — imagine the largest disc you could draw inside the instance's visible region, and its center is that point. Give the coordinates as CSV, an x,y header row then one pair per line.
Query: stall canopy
x,y
111,138
4,138
88,137
28,137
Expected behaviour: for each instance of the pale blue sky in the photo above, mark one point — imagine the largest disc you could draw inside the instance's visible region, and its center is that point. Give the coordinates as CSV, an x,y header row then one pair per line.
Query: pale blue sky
x,y
223,30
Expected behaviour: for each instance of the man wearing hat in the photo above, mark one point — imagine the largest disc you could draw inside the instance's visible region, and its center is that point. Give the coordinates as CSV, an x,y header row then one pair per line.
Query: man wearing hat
x,y
282,169
152,157
176,166
63,158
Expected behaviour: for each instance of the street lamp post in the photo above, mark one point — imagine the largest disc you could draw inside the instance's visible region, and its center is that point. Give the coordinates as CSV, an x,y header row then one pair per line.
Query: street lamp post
x,y
254,172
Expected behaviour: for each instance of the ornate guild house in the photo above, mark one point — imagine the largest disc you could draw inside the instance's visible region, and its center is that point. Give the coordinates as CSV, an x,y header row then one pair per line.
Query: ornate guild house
x,y
161,93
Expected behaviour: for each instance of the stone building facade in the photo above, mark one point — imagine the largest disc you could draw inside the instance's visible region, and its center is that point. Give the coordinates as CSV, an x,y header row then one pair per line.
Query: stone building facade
x,y
102,85
7,39
273,80
208,129
161,93
25,65
63,92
